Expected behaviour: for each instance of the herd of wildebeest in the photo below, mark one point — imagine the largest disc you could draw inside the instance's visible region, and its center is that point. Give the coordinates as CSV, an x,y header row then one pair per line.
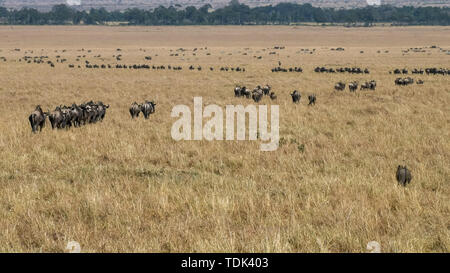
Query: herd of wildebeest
x,y
351,70
428,71
92,112
65,117
353,86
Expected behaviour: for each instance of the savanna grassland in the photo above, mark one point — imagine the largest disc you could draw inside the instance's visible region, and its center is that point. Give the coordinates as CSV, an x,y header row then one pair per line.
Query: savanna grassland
x,y
125,185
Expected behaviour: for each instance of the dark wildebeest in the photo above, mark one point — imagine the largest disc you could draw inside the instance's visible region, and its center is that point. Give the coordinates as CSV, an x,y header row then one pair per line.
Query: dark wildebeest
x,y
257,95
101,110
148,108
246,92
266,89
372,85
76,114
56,118
237,91
403,175
67,116
312,99
135,109
273,96
369,85
340,86
295,96
353,86
37,119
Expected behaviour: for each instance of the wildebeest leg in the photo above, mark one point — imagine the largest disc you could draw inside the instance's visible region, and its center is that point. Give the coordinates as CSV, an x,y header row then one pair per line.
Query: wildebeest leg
x,y
30,118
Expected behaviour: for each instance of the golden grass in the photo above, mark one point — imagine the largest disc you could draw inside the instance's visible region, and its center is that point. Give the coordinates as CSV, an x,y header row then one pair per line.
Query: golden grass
x,y
125,185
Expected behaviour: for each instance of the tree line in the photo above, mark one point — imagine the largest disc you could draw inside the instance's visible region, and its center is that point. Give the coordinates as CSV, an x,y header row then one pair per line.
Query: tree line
x,y
232,14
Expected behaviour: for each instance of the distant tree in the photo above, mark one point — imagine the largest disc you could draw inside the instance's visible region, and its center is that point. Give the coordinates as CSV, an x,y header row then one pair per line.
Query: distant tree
x,y
233,13
62,13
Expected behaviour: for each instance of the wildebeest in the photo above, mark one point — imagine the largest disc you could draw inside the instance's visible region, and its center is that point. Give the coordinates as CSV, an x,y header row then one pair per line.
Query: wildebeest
x,y
266,89
404,81
257,94
135,109
403,175
340,86
148,108
237,91
56,118
77,115
37,119
246,92
273,96
353,86
312,99
369,85
101,108
295,96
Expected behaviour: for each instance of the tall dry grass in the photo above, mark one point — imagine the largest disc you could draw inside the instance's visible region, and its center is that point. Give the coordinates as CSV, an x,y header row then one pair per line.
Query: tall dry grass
x,y
125,185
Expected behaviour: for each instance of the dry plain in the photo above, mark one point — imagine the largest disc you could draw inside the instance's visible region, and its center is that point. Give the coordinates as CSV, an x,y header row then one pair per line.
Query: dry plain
x,y
125,185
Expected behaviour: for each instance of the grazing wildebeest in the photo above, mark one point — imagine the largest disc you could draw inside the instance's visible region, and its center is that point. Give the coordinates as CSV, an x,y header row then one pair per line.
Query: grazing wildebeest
x,y
37,119
312,99
295,96
403,175
135,109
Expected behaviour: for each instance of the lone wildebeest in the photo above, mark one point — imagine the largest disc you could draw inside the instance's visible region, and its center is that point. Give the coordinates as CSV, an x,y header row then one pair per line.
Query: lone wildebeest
x,y
312,99
135,109
37,119
295,96
403,175
273,96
